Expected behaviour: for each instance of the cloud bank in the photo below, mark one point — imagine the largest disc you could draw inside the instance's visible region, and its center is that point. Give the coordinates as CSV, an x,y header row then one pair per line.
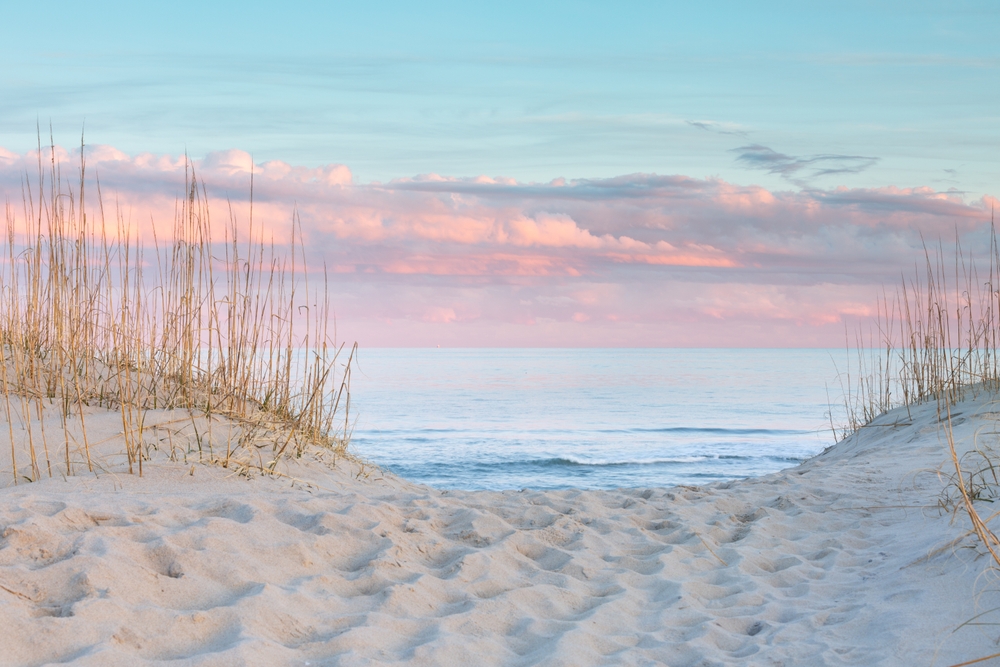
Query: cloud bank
x,y
636,260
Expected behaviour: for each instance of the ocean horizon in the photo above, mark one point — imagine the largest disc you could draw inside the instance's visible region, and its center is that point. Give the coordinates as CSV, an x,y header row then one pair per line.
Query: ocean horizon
x,y
592,418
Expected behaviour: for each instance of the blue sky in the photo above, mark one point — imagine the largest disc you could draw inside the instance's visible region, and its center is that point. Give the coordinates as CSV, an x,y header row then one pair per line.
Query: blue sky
x,y
736,174
877,93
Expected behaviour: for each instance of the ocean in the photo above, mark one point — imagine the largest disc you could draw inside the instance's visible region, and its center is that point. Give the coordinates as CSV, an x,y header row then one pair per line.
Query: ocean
x,y
472,418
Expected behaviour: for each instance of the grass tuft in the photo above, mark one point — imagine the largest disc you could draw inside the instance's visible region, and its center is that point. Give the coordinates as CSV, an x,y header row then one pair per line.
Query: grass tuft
x,y
936,339
931,340
92,316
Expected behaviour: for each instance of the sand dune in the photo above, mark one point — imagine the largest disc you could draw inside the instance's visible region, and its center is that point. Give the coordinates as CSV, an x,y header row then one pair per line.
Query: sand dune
x,y
844,560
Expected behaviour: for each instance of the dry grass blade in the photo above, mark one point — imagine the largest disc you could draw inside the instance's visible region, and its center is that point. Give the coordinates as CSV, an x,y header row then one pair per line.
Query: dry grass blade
x,y
977,660
986,536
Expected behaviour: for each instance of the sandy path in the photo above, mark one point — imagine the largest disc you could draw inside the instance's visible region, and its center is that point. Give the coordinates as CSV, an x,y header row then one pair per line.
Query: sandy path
x,y
844,560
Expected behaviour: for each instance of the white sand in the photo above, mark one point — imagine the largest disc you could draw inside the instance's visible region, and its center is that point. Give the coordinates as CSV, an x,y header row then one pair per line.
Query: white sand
x,y
845,560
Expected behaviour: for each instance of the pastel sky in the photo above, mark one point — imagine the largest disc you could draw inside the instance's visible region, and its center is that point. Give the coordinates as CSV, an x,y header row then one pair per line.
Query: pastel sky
x,y
585,174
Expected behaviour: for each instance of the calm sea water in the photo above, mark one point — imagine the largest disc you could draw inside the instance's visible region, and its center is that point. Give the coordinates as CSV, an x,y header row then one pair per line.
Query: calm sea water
x,y
590,418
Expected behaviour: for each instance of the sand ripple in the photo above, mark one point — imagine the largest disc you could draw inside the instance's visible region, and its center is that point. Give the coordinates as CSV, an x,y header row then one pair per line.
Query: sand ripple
x,y
831,563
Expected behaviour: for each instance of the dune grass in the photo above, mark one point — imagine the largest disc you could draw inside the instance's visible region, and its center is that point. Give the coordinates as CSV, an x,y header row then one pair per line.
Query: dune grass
x,y
936,339
91,315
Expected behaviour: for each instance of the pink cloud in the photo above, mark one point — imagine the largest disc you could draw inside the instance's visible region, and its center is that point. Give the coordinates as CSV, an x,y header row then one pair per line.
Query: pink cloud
x,y
640,259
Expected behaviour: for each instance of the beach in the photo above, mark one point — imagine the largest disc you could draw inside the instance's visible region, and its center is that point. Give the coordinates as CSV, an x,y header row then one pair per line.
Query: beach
x,y
850,558
500,334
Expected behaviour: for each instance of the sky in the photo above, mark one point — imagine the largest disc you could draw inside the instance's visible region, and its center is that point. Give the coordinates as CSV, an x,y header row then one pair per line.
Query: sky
x,y
542,174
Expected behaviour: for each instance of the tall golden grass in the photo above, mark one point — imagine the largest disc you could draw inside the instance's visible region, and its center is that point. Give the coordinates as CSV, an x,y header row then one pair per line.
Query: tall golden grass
x,y
935,338
92,315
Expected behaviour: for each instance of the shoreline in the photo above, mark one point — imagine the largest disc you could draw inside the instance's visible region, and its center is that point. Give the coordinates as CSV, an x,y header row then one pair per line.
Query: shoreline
x,y
845,559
